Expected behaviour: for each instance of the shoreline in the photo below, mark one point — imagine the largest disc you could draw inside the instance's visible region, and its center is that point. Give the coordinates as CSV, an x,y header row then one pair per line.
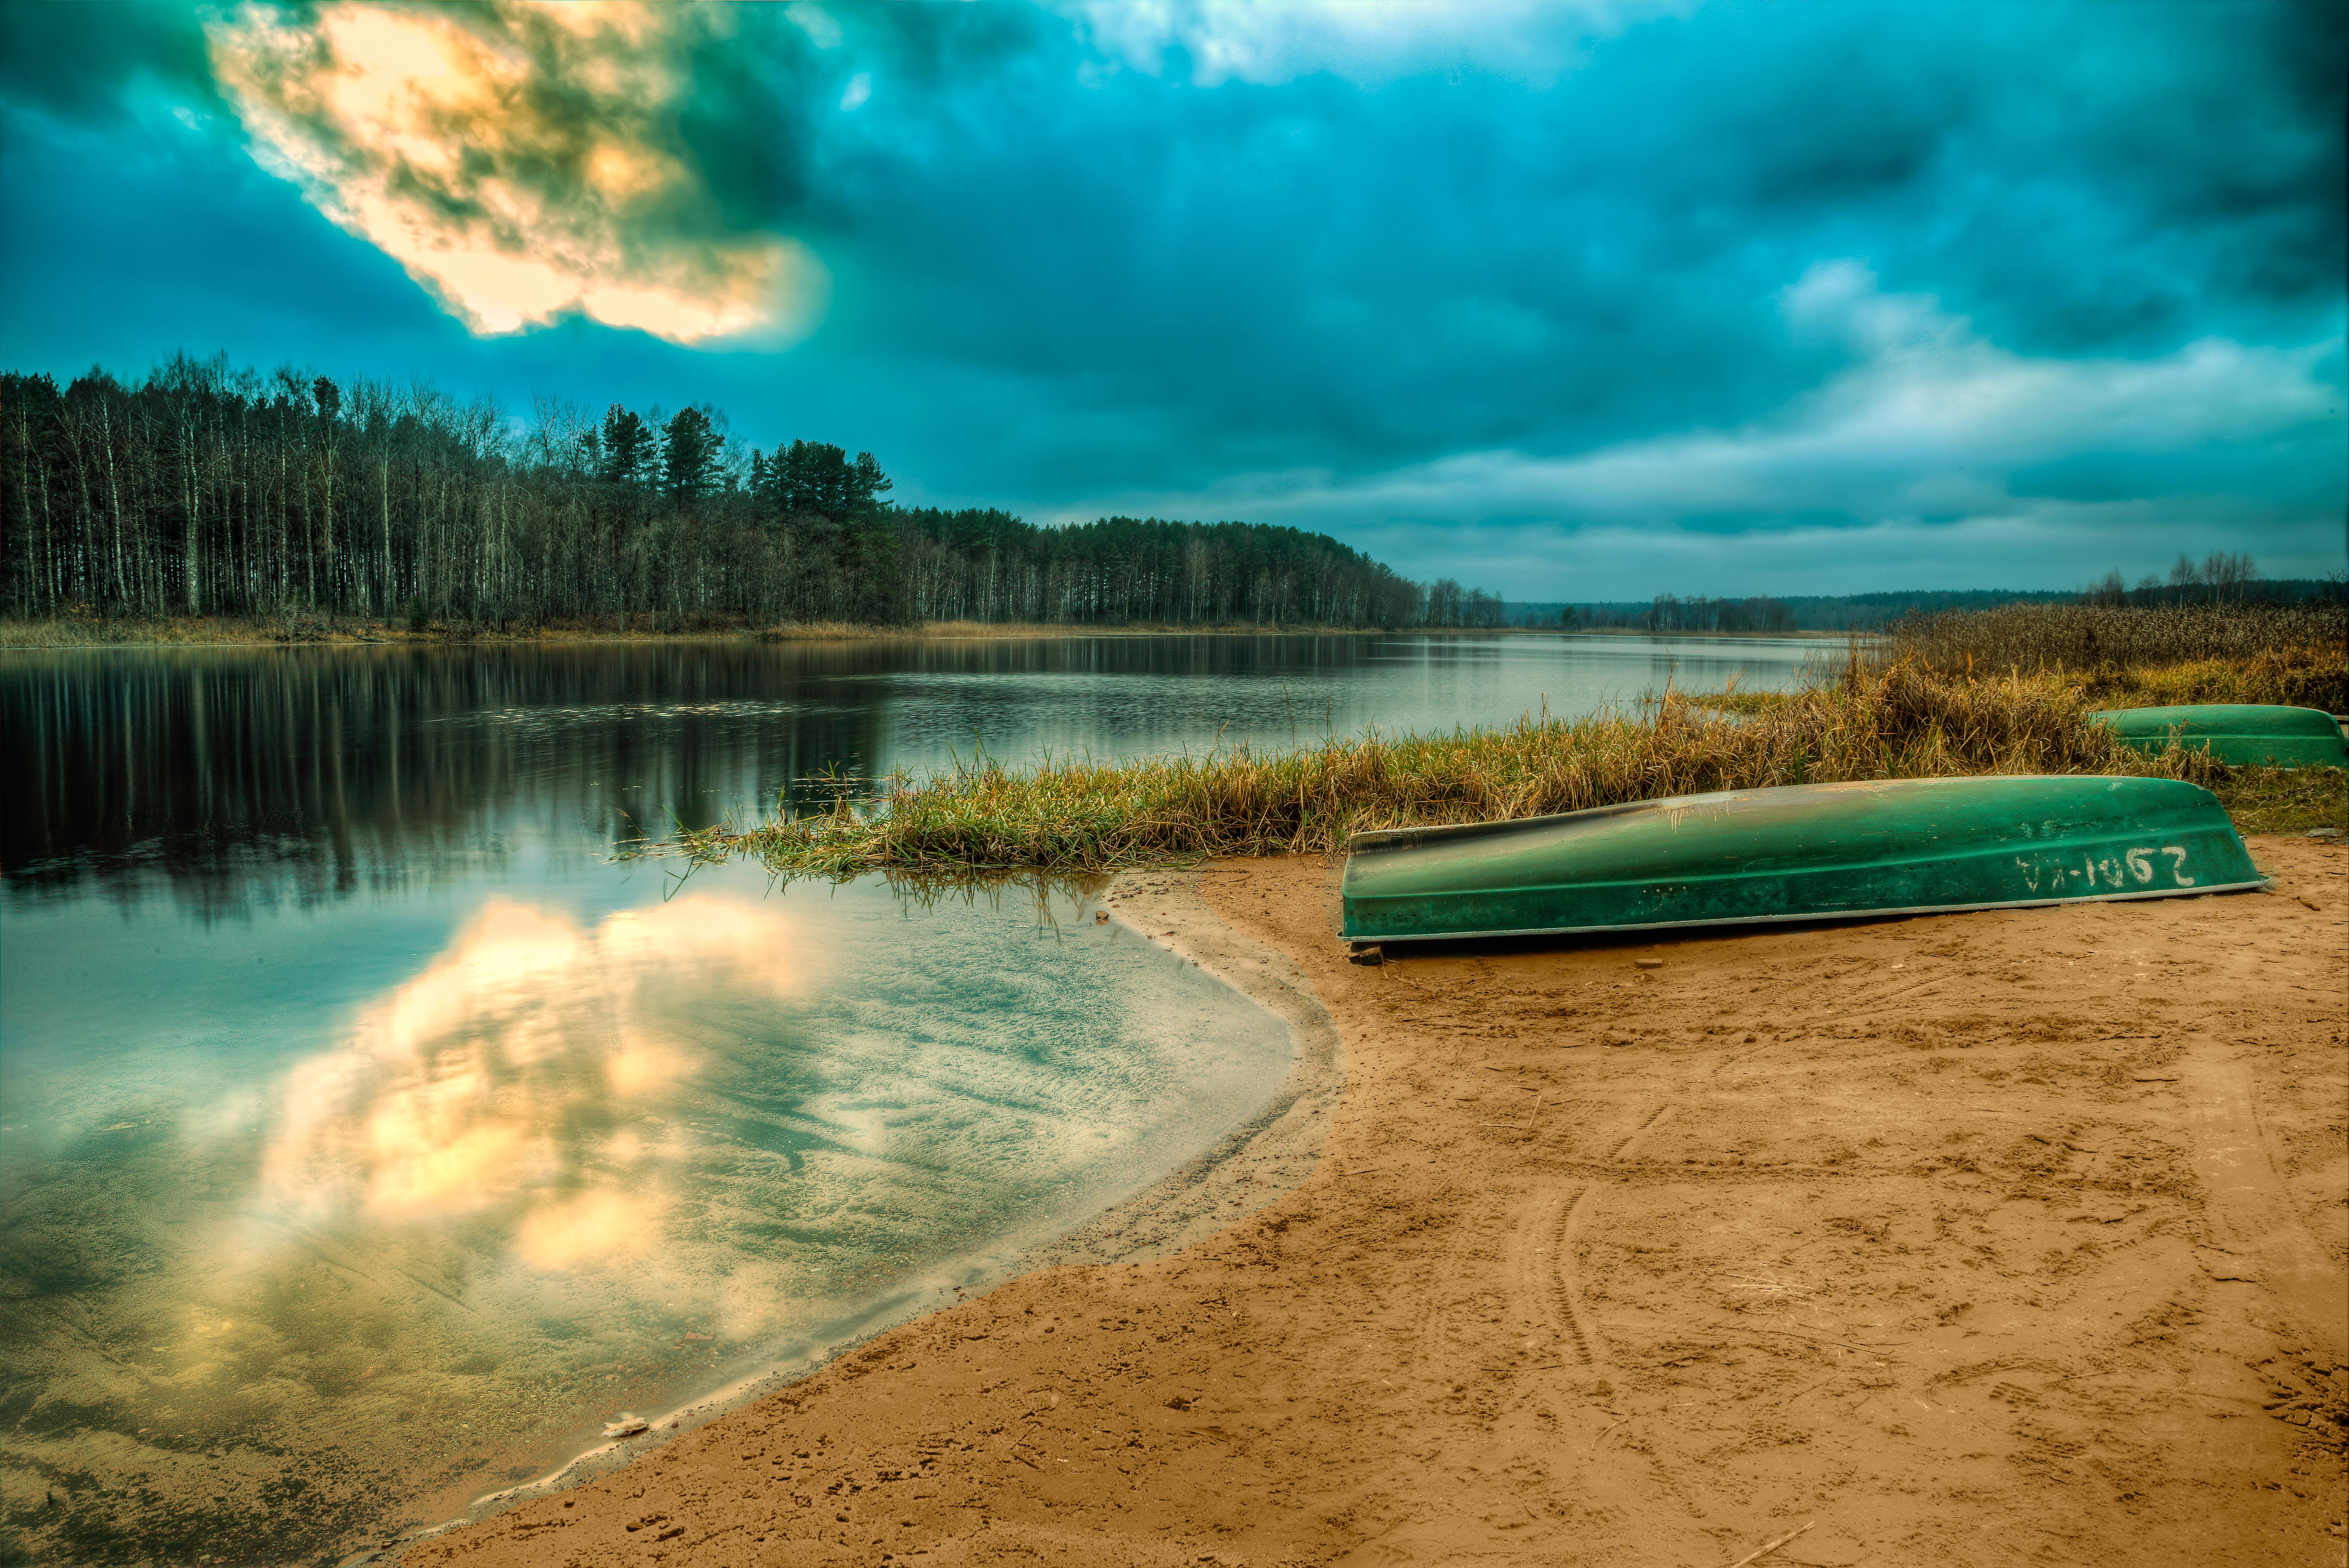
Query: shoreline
x,y
1266,1157
1270,1155
243,636
1906,1227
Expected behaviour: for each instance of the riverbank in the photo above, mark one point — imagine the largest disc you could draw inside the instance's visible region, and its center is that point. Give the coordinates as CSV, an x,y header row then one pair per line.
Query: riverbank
x,y
310,631
313,631
1933,1235
1888,721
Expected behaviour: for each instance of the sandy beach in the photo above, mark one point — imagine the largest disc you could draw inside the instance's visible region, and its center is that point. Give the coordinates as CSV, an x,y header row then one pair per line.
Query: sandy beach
x,y
1995,1238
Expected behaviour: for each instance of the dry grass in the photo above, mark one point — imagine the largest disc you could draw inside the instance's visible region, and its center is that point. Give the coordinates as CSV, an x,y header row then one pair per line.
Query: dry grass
x,y
1895,721
2295,677
2119,656
176,632
850,630
2285,800
184,631
228,631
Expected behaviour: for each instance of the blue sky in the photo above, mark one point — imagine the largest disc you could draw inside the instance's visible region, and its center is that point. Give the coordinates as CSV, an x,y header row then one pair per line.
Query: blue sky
x,y
1578,301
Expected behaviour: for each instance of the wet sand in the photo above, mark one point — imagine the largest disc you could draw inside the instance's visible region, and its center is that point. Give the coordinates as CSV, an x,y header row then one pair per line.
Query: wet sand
x,y
2007,1237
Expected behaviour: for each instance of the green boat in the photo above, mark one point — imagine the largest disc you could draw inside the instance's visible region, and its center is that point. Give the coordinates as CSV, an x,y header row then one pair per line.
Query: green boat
x,y
1803,852
2245,734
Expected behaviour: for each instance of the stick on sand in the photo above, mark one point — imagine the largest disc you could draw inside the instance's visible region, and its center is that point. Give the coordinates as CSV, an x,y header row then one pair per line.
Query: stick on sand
x,y
1767,1547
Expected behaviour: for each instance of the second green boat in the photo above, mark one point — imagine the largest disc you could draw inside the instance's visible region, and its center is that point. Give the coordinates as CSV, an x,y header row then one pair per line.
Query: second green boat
x,y
2243,735
1805,852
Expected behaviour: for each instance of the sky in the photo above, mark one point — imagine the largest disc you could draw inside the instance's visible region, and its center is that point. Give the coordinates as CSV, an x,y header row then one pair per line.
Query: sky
x,y
1579,301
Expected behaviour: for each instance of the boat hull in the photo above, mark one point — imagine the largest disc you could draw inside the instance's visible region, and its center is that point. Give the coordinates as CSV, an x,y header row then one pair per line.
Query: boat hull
x,y
2242,734
1813,851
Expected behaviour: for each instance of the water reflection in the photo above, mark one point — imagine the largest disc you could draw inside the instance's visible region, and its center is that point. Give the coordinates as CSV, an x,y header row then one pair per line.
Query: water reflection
x,y
502,1085
573,1162
243,779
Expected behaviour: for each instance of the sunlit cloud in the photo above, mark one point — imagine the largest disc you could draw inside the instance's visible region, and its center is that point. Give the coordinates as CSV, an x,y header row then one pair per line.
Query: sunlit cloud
x,y
520,160
503,1085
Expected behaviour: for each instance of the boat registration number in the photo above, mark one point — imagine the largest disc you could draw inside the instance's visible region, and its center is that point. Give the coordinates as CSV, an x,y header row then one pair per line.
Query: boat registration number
x,y
2131,867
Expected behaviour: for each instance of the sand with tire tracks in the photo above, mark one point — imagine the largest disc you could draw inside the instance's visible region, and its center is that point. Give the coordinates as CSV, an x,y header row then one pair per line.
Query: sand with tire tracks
x,y
2009,1237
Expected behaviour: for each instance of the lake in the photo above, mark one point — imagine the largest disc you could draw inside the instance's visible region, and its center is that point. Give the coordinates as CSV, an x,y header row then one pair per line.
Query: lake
x,y
370,1138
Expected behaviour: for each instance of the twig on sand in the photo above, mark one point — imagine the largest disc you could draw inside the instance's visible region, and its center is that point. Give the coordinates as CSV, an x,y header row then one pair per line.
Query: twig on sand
x,y
1813,1338
1815,1387
1767,1547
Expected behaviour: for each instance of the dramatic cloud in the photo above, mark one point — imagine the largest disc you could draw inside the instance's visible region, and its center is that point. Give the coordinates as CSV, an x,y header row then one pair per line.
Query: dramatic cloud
x,y
1577,298
1930,427
522,161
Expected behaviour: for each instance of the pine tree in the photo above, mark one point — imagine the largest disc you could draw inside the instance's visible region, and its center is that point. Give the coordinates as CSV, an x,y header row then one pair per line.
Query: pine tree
x,y
690,451
627,447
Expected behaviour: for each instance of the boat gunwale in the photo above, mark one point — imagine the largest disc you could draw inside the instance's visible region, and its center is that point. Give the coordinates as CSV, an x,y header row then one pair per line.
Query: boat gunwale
x,y
1814,914
1433,832
1385,839
2113,718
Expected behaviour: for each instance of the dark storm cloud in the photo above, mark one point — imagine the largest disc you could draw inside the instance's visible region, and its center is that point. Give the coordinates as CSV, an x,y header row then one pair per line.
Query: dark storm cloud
x,y
77,60
1350,275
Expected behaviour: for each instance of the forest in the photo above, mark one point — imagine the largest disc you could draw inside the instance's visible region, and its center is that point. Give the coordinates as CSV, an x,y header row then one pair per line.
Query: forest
x,y
205,489
2220,577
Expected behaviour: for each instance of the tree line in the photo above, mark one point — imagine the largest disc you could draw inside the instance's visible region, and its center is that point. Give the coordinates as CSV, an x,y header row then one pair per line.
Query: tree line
x,y
2221,577
1665,612
205,489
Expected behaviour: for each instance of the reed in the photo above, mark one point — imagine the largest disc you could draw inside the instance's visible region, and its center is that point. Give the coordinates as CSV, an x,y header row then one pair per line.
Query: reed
x,y
1894,720
2126,657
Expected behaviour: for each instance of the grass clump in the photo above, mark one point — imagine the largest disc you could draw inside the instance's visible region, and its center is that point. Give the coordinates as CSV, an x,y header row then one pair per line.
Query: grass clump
x,y
2295,678
2129,656
2284,800
1899,720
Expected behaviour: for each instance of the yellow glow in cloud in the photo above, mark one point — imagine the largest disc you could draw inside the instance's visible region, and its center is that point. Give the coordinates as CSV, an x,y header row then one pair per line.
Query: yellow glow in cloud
x,y
518,159
594,1225
501,1085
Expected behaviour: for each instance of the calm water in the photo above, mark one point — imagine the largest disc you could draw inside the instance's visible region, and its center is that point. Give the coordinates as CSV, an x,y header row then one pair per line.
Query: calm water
x,y
368,1138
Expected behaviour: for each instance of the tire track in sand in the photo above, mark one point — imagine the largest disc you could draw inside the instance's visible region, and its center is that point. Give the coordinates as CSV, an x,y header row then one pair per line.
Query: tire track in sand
x,y
2248,1211
1542,1283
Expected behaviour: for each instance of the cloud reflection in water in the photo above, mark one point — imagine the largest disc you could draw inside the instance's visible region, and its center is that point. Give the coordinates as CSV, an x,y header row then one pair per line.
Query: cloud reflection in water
x,y
561,1167
519,1084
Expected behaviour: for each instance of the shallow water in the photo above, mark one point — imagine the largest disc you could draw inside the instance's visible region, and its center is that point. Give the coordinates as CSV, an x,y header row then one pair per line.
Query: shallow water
x,y
368,1138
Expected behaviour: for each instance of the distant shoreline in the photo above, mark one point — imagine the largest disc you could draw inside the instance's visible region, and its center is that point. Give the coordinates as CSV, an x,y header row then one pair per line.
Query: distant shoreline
x,y
310,633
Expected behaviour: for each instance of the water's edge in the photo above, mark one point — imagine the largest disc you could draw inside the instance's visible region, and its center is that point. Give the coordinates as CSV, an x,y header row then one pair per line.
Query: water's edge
x,y
1270,1154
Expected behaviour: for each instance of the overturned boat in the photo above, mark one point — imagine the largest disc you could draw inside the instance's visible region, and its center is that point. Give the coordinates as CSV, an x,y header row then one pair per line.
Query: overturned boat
x,y
1801,851
2243,735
